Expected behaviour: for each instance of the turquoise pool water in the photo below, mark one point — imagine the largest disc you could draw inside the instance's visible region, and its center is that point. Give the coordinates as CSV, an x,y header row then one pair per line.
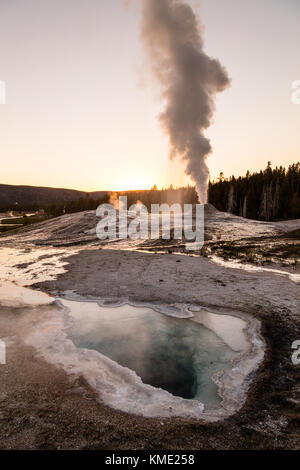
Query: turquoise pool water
x,y
176,354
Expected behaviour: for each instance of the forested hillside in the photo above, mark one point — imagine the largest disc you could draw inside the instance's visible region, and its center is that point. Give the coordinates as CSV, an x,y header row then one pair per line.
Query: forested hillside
x,y
31,198
272,194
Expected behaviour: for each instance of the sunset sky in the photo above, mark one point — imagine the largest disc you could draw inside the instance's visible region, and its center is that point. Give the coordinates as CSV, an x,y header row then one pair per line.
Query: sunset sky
x,y
82,110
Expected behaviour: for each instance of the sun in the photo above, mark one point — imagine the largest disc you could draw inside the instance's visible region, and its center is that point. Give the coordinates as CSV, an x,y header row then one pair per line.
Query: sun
x,y
134,182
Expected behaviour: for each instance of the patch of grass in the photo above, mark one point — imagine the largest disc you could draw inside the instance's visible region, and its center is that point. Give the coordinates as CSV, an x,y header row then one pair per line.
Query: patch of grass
x,y
23,220
271,250
14,224
294,234
4,228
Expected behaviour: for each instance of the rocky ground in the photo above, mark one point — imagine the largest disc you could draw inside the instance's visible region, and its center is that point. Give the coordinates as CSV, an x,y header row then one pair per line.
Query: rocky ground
x,y
43,407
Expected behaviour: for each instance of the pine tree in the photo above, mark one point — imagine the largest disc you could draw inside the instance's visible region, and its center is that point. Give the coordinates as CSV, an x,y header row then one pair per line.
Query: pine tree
x,y
245,207
231,201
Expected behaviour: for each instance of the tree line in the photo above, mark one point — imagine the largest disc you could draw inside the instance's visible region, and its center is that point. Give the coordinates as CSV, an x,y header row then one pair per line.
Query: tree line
x,y
272,194
184,195
171,195
86,203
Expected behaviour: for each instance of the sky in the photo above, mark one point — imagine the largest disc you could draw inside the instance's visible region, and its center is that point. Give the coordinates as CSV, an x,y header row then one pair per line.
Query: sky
x,y
81,108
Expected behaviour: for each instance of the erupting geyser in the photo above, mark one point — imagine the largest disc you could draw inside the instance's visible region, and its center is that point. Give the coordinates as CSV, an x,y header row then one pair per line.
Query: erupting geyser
x,y
189,79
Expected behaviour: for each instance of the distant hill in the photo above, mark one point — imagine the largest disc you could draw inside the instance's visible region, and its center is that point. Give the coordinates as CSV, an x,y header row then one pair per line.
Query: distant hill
x,y
33,197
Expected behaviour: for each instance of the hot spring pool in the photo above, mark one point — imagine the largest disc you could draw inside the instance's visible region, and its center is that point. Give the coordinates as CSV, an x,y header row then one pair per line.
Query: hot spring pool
x,y
179,355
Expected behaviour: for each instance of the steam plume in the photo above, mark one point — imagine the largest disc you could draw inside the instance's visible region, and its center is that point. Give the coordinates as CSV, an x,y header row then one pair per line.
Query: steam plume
x,y
189,79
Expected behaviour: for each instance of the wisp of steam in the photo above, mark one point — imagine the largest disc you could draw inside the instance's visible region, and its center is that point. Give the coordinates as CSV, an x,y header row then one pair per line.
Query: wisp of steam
x,y
189,79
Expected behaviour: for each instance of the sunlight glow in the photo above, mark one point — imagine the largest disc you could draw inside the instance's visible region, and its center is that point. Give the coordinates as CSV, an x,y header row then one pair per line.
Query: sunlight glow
x,y
134,181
